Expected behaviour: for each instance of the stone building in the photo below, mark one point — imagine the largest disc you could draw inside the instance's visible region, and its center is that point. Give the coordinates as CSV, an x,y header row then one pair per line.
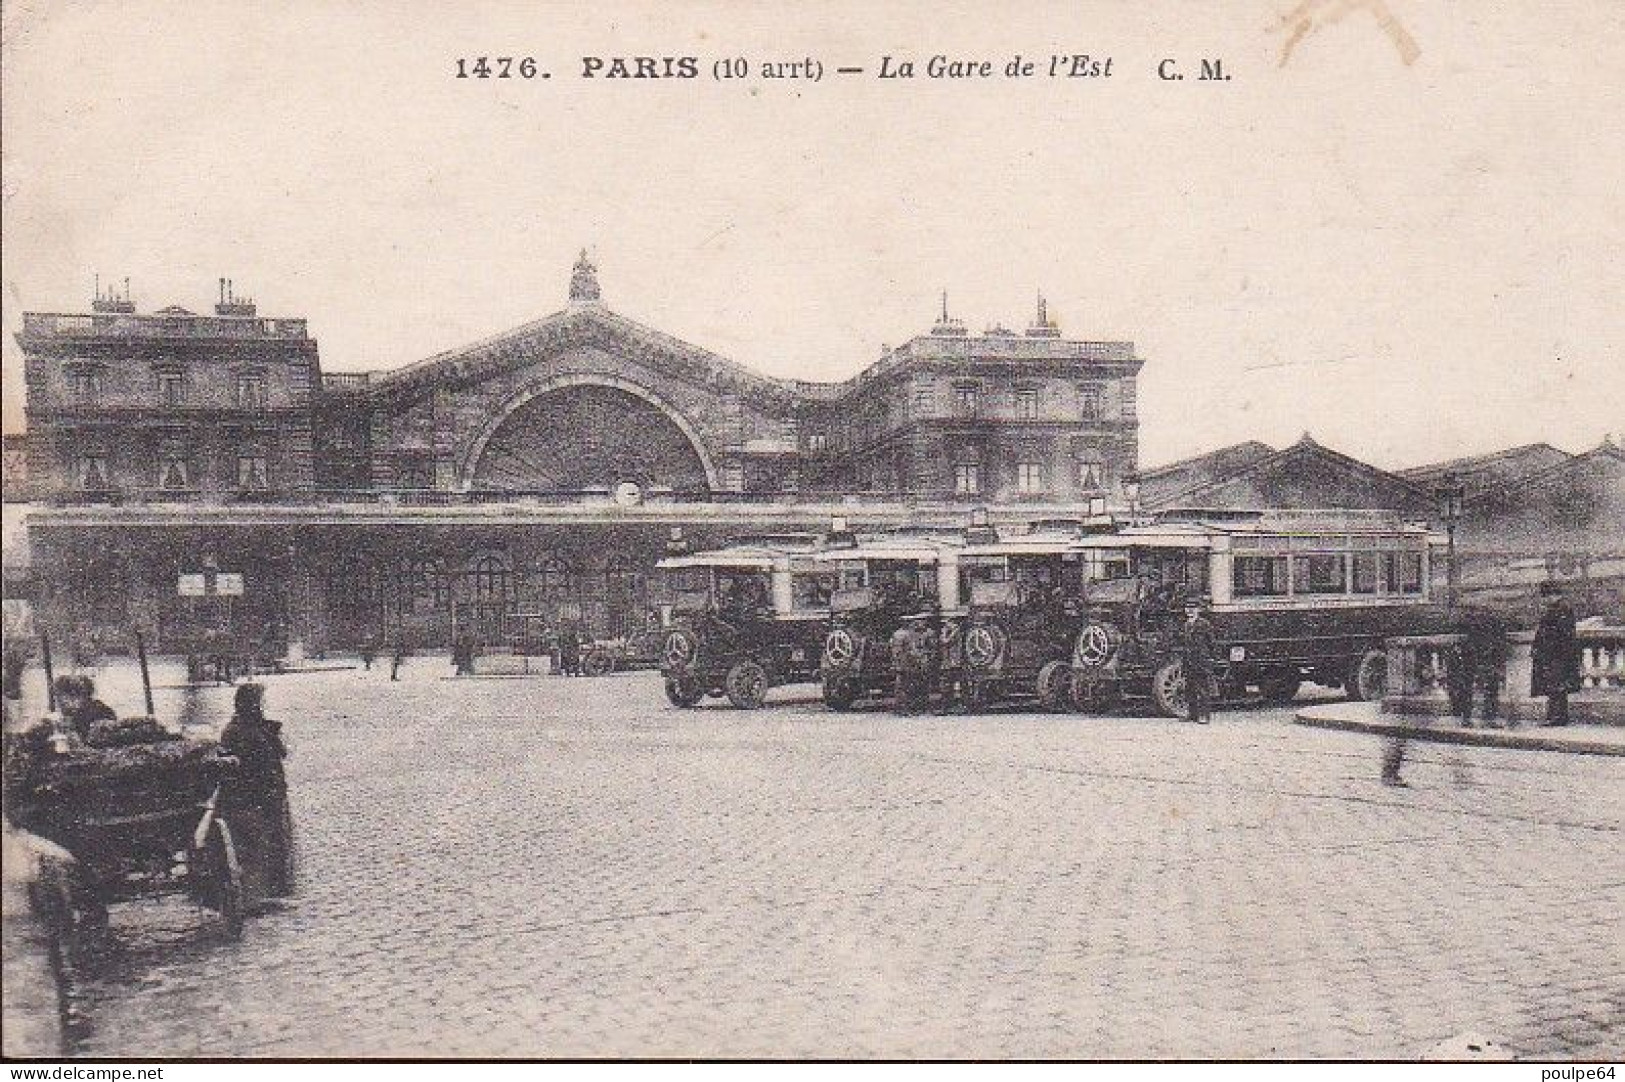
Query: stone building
x,y
526,480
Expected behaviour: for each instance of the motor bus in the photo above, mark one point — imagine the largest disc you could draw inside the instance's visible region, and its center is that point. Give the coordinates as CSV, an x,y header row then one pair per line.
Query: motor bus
x,y
1294,596
743,618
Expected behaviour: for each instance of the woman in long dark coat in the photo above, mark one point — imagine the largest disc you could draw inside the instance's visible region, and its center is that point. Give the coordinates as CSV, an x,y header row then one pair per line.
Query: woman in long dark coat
x,y
1556,670
255,801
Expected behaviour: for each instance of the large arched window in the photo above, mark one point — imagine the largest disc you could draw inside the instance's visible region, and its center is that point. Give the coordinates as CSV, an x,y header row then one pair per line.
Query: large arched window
x,y
488,578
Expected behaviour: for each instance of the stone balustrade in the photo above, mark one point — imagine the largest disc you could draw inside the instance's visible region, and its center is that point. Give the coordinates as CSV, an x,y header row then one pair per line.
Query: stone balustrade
x,y
1419,676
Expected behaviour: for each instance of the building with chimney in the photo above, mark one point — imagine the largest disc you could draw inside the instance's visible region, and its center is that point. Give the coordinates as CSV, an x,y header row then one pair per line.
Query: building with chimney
x,y
522,481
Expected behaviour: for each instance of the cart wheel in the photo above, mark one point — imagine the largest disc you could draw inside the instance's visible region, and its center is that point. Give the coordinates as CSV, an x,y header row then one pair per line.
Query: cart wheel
x,y
840,693
747,685
683,691
224,892
1053,684
1168,689
1368,677
597,663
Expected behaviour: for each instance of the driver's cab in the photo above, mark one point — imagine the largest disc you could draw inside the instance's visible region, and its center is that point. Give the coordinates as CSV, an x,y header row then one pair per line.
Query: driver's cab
x,y
1145,576
1040,575
899,576
744,583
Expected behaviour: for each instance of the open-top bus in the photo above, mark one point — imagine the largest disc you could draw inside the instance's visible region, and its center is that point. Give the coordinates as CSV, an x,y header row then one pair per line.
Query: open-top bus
x,y
879,581
1293,596
743,619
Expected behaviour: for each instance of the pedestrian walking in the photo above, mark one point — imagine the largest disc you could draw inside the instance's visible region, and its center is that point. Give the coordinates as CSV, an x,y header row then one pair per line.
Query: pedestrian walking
x,y
1198,644
397,656
369,651
1556,655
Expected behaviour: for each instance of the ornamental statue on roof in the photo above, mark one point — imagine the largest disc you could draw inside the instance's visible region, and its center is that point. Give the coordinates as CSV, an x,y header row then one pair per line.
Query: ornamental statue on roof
x,y
584,281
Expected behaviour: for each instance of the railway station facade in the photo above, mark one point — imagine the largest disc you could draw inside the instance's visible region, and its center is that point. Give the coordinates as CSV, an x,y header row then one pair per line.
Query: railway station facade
x,y
203,469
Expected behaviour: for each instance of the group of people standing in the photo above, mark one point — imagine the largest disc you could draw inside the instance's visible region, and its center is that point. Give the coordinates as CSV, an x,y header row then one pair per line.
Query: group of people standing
x,y
1477,669
1478,666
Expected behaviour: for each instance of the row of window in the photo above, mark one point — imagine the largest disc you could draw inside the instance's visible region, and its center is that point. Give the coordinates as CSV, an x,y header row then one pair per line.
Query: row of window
x,y
967,403
85,385
1031,477
1328,573
174,473
426,585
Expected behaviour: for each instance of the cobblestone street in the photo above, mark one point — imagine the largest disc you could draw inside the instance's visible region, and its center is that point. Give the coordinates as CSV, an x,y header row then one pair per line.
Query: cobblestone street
x,y
550,867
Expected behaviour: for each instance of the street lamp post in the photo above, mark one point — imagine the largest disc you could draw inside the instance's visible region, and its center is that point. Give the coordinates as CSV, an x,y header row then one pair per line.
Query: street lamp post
x,y
1131,493
1450,494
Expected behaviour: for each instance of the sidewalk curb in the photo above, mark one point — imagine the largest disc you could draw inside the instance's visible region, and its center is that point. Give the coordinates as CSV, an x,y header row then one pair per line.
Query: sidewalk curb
x,y
1336,716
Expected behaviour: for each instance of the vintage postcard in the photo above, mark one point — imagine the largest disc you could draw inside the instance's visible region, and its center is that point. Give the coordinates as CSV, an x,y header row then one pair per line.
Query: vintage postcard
x,y
719,530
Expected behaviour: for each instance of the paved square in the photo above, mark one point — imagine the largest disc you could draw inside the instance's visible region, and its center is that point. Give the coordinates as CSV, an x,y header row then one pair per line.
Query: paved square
x,y
553,867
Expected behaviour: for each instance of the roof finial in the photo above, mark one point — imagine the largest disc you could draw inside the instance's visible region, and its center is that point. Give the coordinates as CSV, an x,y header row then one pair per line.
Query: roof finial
x,y
1042,327
946,324
584,281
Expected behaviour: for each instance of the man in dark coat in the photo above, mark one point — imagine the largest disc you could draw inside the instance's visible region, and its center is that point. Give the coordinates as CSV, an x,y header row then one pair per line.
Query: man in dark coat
x,y
1198,644
1483,658
570,651
1556,655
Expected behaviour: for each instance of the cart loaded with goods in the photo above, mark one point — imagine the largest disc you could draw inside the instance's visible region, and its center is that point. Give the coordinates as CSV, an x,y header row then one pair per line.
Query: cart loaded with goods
x,y
138,808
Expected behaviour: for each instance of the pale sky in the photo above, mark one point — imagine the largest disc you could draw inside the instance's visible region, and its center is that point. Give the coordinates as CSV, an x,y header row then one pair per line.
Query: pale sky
x,y
1411,262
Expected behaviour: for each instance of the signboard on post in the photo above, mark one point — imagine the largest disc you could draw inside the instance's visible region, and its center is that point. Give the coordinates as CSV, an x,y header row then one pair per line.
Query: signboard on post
x,y
229,584
192,586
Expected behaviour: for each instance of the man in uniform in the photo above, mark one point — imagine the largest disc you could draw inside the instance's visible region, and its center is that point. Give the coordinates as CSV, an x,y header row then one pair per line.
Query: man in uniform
x,y
913,648
1556,655
1198,644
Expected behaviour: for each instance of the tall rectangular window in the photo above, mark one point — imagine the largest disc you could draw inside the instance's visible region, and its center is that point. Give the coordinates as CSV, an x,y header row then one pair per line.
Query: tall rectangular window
x,y
817,443
1029,478
1091,473
1027,404
85,384
966,399
1402,572
252,475
1091,402
1367,577
967,479
171,388
251,391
